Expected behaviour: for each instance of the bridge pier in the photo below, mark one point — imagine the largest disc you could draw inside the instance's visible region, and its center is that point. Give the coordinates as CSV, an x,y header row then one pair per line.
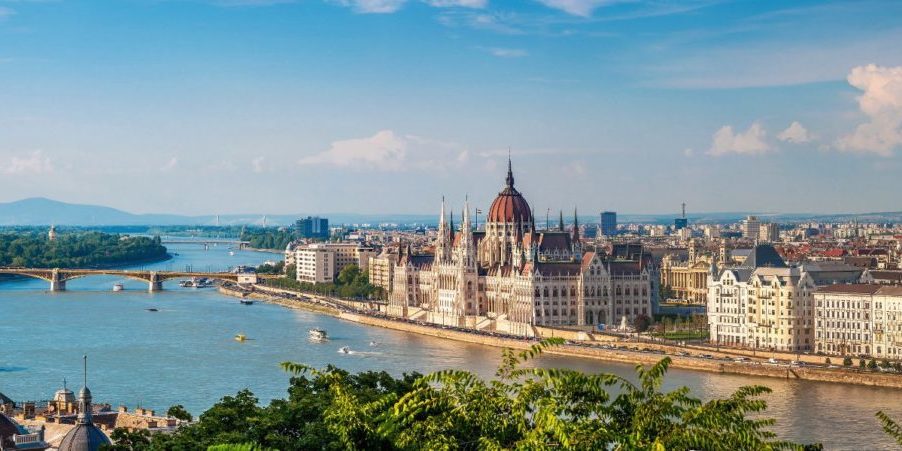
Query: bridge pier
x,y
57,283
154,284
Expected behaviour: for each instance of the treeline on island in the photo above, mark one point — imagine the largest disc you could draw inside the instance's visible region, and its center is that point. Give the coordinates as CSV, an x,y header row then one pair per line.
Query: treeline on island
x,y
276,239
523,408
77,250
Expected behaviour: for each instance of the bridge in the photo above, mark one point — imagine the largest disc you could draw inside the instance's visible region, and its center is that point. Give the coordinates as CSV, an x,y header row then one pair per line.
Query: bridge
x,y
207,242
58,277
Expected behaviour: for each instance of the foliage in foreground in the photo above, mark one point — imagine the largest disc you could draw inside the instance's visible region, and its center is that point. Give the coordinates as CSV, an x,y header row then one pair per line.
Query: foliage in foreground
x,y
522,408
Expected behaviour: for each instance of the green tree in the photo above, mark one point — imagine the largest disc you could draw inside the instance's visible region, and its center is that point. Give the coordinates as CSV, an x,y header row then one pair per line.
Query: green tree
x,y
827,361
872,364
642,322
125,440
847,361
178,412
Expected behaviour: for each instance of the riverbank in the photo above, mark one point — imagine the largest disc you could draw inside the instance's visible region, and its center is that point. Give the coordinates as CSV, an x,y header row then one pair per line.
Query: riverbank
x,y
622,352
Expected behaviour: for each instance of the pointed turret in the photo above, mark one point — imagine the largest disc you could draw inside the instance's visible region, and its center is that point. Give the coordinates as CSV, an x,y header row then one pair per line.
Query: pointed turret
x,y
442,242
510,172
561,223
575,226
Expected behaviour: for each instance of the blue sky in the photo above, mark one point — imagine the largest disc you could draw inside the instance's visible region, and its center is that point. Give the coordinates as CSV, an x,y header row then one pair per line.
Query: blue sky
x,y
230,106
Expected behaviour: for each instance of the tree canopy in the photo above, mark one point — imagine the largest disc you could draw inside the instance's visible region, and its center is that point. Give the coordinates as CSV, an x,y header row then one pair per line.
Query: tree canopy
x,y
521,408
77,250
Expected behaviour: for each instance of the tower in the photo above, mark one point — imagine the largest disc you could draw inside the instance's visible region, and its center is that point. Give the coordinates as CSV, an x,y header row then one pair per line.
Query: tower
x,y
85,436
51,234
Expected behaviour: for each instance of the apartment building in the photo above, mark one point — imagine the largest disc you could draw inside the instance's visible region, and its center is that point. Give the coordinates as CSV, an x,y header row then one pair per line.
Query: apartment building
x,y
322,262
859,319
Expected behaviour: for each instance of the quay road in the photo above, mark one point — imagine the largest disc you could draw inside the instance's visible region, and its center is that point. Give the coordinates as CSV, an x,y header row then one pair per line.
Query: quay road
x,y
58,277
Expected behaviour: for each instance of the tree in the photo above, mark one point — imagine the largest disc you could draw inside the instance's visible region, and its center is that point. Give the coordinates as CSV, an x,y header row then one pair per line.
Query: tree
x,y
847,361
178,412
890,427
827,361
125,440
642,322
872,364
861,363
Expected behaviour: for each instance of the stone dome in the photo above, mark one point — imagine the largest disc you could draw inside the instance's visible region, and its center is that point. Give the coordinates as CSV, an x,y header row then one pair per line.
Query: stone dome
x,y
84,437
510,206
64,395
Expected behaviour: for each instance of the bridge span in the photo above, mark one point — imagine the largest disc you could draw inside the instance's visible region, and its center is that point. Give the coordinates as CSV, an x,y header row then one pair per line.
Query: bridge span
x,y
58,277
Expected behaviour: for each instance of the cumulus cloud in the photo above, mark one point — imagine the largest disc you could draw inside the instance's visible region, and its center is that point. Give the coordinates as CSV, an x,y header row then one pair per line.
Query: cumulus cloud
x,y
750,142
881,102
32,164
390,6
507,53
389,151
478,4
582,8
373,6
170,165
257,164
795,133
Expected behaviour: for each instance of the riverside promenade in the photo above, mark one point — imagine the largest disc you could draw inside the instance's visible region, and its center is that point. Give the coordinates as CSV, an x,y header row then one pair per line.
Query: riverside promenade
x,y
698,358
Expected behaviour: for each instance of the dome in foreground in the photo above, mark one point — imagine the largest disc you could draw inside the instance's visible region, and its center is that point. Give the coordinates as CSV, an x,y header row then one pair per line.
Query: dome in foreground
x,y
84,437
510,206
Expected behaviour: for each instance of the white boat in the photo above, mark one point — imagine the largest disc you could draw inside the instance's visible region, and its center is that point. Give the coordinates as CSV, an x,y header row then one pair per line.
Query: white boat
x,y
231,252
373,343
344,350
317,334
118,287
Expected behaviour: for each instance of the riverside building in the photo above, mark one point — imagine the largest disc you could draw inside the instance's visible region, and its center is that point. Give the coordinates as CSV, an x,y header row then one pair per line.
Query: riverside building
x,y
511,277
764,303
859,319
322,262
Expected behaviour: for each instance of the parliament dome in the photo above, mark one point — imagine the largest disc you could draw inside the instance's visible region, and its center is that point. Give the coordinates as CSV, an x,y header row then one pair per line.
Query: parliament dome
x,y
510,206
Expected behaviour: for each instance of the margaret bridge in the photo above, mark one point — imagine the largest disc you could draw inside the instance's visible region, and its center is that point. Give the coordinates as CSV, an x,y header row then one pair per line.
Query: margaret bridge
x,y
58,277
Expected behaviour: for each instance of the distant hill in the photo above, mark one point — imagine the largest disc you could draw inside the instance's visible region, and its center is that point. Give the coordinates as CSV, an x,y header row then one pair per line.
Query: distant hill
x,y
41,211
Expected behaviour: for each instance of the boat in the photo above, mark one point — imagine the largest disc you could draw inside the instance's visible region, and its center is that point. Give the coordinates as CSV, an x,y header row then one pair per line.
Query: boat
x,y
246,302
196,282
240,337
373,343
231,252
344,350
317,334
152,310
117,287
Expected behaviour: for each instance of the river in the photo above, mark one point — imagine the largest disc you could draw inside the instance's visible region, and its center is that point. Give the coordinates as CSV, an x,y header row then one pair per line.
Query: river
x,y
185,353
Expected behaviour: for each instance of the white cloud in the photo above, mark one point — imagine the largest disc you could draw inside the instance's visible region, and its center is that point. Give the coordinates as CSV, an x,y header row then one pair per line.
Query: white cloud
x,y
258,165
881,102
795,133
507,53
32,164
479,4
388,151
170,165
582,8
373,6
751,142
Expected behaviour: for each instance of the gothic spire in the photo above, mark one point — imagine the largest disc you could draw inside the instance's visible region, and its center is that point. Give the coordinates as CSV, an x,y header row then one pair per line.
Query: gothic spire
x,y
561,223
575,226
510,172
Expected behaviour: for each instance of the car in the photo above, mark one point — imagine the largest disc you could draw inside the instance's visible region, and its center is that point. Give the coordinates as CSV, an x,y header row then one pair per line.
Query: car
x,y
772,360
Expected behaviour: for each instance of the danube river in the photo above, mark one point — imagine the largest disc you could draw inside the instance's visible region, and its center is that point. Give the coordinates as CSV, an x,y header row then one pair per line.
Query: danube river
x,y
185,352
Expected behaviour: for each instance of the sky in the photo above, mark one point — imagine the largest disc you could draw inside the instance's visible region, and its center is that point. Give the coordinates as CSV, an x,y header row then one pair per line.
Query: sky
x,y
385,106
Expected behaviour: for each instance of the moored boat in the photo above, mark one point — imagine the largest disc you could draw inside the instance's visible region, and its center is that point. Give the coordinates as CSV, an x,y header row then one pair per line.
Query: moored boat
x,y
118,287
317,334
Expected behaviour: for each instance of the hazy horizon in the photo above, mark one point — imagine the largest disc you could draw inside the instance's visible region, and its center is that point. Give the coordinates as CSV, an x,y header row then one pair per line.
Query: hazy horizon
x,y
385,106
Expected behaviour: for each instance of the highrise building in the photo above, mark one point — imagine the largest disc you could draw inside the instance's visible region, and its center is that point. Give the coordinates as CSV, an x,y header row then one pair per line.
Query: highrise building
x,y
609,223
751,227
681,222
313,227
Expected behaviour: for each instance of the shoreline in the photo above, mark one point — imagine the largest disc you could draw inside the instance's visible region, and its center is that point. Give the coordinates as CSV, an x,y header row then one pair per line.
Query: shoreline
x,y
619,355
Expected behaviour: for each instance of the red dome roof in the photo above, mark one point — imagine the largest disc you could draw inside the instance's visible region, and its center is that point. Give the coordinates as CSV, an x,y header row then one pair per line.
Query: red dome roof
x,y
510,206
